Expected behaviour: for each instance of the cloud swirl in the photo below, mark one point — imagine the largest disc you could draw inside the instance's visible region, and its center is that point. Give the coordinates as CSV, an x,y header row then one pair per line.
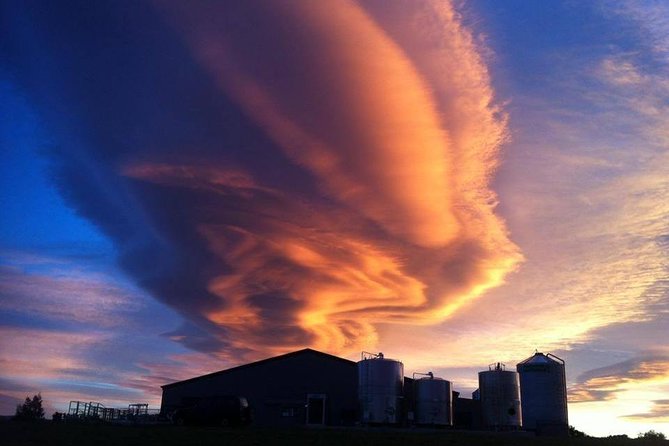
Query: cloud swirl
x,y
283,174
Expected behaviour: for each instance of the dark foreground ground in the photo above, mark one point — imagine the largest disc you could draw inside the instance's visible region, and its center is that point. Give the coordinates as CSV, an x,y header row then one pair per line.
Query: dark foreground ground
x,y
61,434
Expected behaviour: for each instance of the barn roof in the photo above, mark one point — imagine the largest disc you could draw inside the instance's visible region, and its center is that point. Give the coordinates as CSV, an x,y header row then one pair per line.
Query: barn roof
x,y
306,351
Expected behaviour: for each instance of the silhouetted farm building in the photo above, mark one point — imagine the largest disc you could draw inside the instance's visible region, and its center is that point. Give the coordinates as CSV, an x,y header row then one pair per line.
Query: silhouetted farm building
x,y
311,387
301,387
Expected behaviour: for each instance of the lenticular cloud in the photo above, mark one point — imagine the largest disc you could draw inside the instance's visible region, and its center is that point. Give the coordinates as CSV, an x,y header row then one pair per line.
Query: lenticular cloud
x,y
397,129
283,174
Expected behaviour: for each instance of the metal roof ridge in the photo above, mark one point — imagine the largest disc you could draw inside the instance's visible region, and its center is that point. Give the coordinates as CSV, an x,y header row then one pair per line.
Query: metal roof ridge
x,y
258,362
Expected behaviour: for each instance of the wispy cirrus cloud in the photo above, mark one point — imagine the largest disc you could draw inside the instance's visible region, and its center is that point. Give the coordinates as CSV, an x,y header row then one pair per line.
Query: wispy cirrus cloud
x,y
36,355
605,383
583,189
65,295
651,20
65,365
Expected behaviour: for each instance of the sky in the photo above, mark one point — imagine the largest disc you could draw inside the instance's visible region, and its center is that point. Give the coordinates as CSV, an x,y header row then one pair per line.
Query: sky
x,y
190,186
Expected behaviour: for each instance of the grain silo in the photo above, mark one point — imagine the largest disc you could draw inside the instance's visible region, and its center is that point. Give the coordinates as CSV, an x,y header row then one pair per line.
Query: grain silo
x,y
434,400
380,389
500,398
544,394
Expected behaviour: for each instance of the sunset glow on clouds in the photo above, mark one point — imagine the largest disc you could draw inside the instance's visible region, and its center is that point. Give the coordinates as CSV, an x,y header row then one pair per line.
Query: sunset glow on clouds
x,y
230,181
406,181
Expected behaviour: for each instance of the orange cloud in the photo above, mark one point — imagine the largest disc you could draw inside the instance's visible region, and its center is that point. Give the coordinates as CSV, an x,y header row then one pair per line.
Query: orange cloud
x,y
401,138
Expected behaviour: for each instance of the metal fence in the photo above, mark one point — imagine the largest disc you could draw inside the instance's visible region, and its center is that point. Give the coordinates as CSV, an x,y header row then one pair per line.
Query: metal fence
x,y
91,411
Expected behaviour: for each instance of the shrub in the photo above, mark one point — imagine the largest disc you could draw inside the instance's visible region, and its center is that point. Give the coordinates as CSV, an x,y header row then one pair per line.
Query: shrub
x,y
652,435
573,432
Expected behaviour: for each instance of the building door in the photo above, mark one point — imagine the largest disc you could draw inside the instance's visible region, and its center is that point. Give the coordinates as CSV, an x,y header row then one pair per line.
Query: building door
x,y
316,408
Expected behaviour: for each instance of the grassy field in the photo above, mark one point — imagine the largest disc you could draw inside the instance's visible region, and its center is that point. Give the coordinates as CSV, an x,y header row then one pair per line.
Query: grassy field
x,y
62,434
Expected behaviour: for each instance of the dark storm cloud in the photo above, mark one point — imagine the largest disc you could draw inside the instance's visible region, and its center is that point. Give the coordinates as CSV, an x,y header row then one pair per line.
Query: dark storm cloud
x,y
281,174
118,85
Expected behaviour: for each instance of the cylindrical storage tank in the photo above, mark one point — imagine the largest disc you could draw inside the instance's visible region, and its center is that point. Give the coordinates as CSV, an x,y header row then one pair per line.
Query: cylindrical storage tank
x,y
380,389
434,401
543,390
500,398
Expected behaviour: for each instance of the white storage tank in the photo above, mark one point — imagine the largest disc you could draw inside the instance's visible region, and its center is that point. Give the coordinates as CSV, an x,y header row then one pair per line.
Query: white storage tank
x,y
434,400
380,389
543,390
500,398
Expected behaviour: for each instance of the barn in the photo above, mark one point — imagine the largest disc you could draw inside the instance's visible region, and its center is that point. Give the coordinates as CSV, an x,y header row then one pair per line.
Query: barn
x,y
302,387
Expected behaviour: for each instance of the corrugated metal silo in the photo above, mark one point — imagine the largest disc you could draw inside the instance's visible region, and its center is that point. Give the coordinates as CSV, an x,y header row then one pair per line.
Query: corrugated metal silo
x,y
434,401
380,389
543,390
500,398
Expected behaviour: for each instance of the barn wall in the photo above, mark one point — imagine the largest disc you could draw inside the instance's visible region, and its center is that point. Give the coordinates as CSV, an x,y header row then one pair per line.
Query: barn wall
x,y
277,389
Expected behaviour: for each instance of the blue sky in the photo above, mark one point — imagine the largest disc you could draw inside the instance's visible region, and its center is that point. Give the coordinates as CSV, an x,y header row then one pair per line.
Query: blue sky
x,y
34,213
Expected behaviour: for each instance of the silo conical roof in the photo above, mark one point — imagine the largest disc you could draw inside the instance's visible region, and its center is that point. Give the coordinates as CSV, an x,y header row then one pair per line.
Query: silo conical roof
x,y
539,358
